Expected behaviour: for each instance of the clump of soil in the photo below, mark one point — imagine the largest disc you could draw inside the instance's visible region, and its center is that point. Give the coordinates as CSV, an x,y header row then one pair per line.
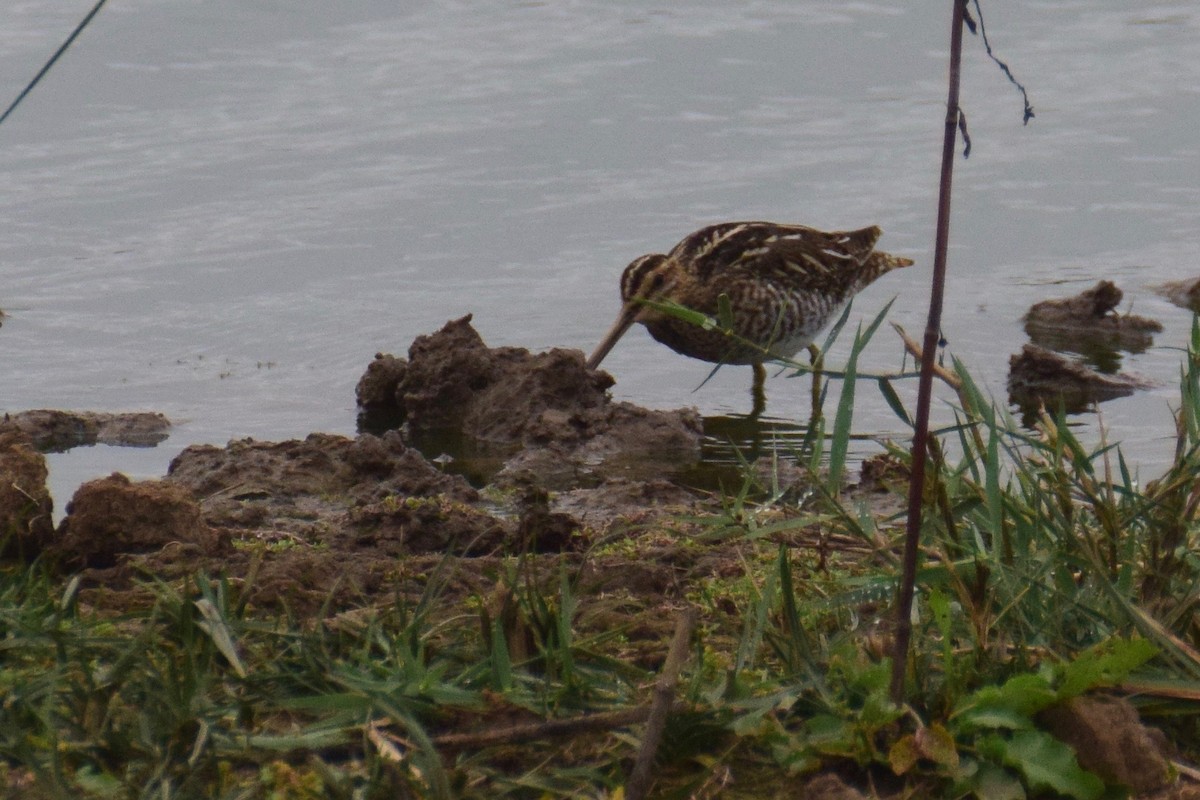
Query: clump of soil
x,y
1110,740
377,388
367,493
1038,376
498,395
380,405
113,517
547,411
1087,320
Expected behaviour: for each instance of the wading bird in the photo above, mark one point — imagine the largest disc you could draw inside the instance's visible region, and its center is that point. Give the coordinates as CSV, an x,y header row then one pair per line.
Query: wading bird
x,y
784,283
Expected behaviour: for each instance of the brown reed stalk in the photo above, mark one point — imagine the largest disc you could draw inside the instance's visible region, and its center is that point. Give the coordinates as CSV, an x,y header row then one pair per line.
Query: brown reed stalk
x,y
916,486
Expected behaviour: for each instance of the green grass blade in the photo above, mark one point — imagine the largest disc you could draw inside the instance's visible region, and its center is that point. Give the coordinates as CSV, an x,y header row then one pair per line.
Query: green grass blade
x,y
893,400
840,443
217,629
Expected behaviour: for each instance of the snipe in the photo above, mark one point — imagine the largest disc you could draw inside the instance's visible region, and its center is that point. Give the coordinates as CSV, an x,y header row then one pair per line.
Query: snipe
x,y
784,282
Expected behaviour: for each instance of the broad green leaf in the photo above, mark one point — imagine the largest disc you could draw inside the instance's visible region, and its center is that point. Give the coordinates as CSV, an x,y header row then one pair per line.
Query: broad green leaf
x,y
825,728
878,710
1019,696
939,606
1047,763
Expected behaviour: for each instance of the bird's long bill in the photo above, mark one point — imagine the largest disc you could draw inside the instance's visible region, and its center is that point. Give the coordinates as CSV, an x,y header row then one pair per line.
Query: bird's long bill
x,y
626,318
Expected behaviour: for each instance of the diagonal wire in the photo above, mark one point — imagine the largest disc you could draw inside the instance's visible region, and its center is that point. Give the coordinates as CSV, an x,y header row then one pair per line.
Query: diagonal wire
x,y
57,53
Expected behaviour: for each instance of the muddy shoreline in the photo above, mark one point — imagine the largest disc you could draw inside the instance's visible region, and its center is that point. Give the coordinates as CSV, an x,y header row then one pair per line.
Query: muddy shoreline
x,y
334,522
331,526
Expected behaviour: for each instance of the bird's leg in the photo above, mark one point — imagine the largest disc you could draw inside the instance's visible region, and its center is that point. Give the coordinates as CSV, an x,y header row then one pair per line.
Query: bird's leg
x,y
817,359
757,391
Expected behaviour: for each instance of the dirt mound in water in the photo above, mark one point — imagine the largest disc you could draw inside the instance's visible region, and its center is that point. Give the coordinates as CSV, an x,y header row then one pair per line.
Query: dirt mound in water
x,y
1089,323
52,430
547,412
1185,294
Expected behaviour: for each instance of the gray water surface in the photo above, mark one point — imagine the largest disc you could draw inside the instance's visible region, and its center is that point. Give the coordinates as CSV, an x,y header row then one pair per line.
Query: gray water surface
x,y
222,210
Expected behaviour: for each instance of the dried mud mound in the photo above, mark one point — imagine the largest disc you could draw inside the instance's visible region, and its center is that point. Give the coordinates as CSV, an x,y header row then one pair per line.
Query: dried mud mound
x,y
114,517
327,519
368,493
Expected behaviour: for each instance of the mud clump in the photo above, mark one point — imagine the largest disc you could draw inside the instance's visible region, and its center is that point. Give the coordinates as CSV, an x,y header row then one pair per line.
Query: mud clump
x,y
25,503
380,406
377,387
1088,321
497,395
548,410
326,521
112,517
1110,740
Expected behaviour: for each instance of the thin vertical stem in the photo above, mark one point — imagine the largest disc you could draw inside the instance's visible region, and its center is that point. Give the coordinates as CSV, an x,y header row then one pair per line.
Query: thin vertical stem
x,y
916,486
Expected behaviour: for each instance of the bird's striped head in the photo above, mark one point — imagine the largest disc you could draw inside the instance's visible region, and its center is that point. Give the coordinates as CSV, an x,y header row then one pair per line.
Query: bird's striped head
x,y
649,277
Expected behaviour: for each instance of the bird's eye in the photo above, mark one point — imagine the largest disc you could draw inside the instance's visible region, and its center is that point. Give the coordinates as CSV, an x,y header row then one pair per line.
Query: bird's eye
x,y
656,280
